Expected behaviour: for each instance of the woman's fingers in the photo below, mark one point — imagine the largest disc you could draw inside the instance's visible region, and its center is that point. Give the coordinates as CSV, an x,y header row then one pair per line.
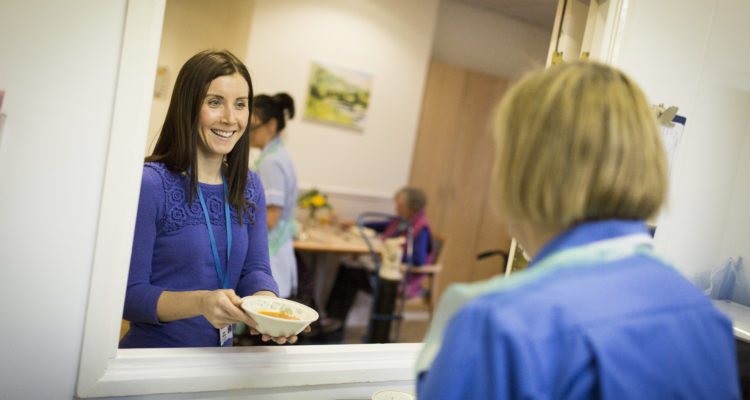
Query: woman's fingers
x,y
249,321
240,314
236,300
222,308
236,313
278,340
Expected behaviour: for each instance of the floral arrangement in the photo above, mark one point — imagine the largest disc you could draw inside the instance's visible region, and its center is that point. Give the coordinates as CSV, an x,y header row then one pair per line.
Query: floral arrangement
x,y
313,200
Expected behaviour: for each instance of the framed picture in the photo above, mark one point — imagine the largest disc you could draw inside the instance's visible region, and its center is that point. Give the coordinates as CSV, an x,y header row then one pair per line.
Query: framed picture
x,y
338,95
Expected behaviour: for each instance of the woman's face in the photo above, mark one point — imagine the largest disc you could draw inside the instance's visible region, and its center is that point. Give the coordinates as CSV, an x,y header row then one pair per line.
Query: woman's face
x,y
223,116
402,206
260,133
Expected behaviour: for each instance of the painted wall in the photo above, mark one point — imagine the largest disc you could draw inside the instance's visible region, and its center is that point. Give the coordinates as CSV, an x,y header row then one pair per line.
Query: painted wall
x,y
59,67
392,40
736,238
474,38
732,73
189,27
685,53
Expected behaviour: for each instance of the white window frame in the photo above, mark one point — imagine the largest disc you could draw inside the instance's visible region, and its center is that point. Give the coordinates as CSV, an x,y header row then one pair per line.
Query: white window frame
x,y
107,371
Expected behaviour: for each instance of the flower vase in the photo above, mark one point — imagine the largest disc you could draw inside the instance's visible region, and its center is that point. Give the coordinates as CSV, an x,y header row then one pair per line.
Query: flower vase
x,y
311,221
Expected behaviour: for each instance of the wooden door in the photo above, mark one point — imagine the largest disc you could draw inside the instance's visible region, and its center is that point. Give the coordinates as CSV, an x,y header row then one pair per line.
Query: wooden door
x,y
452,163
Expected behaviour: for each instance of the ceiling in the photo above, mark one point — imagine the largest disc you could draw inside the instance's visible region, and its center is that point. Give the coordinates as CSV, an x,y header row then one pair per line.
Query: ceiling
x,y
537,12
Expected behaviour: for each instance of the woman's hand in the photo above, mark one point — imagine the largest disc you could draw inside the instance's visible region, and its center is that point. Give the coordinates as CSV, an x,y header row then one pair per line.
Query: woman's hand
x,y
273,215
222,307
264,337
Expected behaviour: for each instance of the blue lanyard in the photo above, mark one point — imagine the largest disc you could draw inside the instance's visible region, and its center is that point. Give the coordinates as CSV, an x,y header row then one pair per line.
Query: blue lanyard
x,y
223,279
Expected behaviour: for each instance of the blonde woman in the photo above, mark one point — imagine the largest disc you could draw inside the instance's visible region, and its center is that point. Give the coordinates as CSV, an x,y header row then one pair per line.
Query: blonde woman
x,y
580,166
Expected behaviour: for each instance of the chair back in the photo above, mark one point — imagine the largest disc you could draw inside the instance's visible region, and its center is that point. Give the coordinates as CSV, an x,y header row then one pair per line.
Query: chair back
x,y
379,216
438,242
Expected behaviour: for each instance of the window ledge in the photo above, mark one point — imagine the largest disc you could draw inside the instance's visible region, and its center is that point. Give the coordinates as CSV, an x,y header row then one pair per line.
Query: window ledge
x,y
151,371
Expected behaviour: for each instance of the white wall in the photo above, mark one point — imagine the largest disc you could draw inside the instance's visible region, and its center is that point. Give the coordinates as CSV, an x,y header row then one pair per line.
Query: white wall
x,y
477,39
223,24
736,238
391,39
58,67
686,53
734,73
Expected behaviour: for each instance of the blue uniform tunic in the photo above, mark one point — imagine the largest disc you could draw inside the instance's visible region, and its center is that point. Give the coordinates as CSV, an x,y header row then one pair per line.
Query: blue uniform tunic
x,y
626,327
279,178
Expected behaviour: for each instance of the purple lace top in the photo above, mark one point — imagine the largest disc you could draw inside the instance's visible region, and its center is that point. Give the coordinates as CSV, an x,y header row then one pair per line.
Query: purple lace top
x,y
172,251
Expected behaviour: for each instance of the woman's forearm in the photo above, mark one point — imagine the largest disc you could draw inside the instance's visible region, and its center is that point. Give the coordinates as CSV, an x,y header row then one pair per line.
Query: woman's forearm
x,y
273,214
172,306
220,307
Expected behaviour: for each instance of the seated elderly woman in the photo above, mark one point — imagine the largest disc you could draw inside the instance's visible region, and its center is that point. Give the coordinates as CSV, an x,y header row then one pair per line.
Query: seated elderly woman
x,y
597,314
355,276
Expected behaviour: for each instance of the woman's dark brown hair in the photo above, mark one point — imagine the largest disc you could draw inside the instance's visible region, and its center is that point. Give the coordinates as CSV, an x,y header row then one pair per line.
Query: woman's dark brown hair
x,y
178,140
279,107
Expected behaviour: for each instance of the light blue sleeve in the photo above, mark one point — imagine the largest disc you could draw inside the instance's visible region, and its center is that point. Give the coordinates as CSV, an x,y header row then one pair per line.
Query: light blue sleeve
x,y
256,271
271,172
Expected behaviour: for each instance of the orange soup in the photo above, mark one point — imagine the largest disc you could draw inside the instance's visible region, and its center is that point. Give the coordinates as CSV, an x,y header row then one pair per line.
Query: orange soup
x,y
277,314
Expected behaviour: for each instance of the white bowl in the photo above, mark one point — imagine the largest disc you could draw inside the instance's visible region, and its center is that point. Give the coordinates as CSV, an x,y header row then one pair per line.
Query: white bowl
x,y
275,326
393,395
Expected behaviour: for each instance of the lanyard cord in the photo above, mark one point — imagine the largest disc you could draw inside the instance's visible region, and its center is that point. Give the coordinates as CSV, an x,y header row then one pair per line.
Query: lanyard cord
x,y
223,278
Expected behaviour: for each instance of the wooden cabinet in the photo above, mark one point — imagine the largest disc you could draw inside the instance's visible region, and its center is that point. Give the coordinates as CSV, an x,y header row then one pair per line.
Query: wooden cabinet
x,y
452,163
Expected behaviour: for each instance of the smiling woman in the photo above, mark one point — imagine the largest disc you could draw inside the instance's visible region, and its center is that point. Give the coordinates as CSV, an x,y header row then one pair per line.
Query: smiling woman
x,y
173,299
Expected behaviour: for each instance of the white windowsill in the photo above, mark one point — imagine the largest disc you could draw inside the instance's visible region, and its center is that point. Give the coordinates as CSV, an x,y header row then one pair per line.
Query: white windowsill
x,y
150,371
740,316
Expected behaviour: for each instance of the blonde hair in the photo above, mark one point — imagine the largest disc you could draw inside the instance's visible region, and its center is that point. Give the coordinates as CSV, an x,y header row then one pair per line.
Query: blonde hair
x,y
574,143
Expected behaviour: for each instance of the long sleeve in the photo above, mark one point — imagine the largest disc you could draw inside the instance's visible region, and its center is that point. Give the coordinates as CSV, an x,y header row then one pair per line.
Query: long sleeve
x,y
256,272
421,247
272,177
141,296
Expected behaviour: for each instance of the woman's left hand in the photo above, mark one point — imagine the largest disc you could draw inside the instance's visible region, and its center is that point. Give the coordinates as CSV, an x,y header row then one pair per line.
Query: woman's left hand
x,y
279,339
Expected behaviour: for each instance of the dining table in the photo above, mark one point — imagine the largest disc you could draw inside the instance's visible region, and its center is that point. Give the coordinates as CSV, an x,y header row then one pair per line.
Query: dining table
x,y
325,247
335,240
